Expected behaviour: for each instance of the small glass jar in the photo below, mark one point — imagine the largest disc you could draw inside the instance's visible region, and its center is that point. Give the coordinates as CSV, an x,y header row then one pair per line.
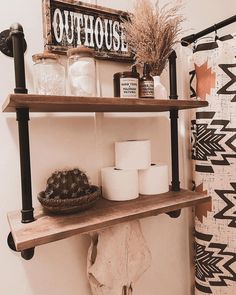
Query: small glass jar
x,y
49,74
81,71
126,84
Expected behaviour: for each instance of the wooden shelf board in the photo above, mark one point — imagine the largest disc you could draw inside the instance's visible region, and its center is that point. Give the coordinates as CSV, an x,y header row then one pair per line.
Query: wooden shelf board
x,y
49,228
50,103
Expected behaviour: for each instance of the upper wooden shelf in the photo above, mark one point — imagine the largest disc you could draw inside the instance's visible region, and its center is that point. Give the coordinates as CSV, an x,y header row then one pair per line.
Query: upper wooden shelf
x,y
50,103
48,228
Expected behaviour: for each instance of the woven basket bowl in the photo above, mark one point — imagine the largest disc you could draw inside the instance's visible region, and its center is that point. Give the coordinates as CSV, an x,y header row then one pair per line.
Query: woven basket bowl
x,y
65,206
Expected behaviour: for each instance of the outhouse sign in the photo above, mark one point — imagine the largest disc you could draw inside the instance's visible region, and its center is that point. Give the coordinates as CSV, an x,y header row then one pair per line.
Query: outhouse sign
x,y
69,23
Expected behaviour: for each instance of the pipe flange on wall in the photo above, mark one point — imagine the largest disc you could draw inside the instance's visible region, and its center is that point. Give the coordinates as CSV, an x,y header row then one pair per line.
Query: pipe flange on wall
x,y
6,43
26,254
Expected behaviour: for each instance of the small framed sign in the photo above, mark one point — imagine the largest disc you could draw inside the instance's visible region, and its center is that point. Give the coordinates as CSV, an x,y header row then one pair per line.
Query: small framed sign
x,y
69,23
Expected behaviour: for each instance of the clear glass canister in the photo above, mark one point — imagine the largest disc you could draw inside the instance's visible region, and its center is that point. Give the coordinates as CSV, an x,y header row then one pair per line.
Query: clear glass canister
x,y
81,71
49,74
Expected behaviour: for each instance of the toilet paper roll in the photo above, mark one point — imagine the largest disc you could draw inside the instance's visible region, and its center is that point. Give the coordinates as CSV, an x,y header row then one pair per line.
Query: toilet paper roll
x,y
119,185
133,154
154,180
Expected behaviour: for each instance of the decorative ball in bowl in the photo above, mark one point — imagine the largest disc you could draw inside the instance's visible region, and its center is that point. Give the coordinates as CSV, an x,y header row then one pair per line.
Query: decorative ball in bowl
x,y
68,191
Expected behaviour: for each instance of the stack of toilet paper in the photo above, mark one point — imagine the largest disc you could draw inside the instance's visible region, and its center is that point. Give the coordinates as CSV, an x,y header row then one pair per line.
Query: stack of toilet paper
x,y
133,173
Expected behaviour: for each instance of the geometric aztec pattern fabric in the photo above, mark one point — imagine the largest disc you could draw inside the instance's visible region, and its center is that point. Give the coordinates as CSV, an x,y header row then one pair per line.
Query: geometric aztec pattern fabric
x,y
213,143
213,138
228,212
214,264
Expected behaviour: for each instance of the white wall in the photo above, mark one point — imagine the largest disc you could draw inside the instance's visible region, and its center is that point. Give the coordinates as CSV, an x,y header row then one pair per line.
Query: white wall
x,y
68,141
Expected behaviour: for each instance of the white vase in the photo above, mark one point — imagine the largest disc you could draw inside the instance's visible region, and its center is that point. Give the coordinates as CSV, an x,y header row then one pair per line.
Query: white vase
x,y
159,89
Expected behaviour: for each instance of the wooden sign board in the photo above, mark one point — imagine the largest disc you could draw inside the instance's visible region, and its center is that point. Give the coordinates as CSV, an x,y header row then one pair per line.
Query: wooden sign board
x,y
68,24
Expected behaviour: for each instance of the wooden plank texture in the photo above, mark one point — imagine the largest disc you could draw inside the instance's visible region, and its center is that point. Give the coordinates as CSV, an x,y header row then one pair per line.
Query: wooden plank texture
x,y
49,228
50,103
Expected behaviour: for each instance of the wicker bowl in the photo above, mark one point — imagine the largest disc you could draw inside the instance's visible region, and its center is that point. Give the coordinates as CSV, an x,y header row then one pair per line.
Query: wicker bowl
x,y
70,205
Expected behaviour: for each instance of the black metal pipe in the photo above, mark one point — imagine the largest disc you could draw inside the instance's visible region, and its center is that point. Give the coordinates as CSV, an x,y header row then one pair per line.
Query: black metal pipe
x,y
193,37
27,254
172,75
16,40
175,184
174,124
174,151
22,116
13,44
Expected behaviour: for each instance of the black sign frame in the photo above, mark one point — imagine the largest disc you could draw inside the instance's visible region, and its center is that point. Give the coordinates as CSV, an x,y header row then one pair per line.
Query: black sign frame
x,y
68,24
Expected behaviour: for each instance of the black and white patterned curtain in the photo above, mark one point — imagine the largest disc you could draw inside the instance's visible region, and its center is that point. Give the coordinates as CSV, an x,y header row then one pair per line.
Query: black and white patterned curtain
x,y
213,78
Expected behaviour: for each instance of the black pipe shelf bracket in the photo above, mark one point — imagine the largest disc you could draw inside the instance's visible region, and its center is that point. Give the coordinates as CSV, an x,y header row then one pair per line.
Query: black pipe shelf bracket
x,y
13,44
175,184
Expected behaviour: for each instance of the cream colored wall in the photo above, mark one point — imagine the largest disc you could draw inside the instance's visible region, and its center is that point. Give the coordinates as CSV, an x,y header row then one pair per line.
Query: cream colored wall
x,y
67,141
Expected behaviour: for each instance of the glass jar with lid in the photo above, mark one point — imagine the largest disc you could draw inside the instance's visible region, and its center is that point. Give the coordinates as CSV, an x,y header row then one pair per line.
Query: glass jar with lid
x,y
49,74
81,71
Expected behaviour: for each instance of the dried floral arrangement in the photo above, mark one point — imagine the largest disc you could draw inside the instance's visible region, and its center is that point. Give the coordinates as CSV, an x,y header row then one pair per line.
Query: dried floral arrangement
x,y
152,32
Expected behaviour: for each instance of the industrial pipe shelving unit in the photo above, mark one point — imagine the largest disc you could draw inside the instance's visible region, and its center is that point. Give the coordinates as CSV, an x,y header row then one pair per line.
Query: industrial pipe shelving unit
x,y
29,230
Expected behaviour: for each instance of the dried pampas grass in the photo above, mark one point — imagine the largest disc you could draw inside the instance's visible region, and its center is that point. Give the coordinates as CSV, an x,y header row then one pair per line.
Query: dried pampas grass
x,y
152,32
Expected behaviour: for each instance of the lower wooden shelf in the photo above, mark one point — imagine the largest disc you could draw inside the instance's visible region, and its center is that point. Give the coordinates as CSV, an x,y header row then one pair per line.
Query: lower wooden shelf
x,y
48,228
